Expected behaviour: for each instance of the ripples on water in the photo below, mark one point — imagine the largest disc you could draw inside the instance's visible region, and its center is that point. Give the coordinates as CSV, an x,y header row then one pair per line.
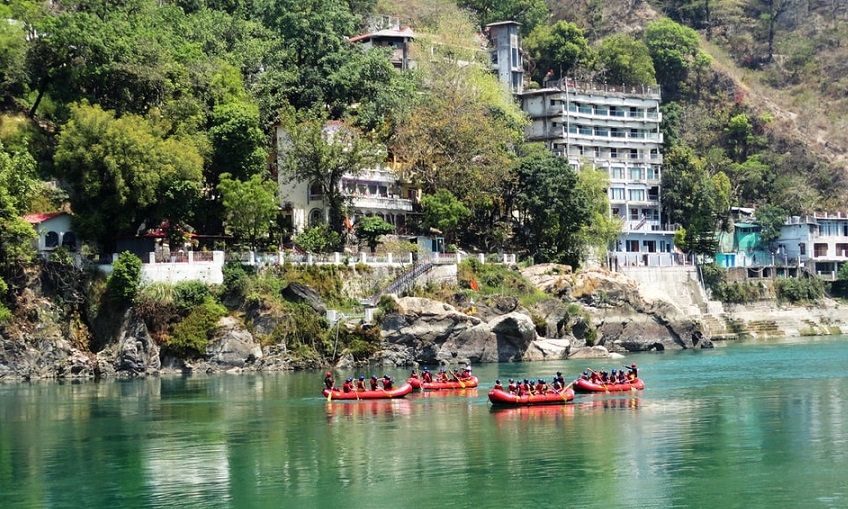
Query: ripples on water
x,y
757,424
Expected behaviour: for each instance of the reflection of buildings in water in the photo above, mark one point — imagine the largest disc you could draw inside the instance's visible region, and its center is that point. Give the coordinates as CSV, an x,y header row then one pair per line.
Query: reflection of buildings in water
x,y
351,408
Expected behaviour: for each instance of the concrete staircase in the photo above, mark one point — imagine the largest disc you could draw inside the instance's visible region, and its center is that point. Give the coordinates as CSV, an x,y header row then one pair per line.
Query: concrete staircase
x,y
680,285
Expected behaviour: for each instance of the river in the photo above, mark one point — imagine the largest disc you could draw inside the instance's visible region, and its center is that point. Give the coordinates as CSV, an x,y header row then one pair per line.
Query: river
x,y
748,425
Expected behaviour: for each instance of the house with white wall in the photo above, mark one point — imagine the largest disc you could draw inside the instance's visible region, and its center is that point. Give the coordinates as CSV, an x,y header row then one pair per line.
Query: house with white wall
x,y
54,231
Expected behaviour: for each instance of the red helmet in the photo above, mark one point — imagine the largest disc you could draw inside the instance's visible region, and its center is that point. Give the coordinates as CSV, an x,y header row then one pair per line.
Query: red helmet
x,y
633,365
329,374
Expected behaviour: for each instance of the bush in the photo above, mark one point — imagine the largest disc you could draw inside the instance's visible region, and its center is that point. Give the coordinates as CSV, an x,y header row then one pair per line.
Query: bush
x,y
189,294
737,292
713,275
235,278
798,290
191,335
123,284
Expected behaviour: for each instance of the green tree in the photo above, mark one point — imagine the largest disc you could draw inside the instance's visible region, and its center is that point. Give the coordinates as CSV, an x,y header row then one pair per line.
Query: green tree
x,y
123,172
626,60
462,126
318,239
530,13
771,219
237,142
321,153
560,49
551,209
12,60
251,206
123,284
675,50
17,180
444,212
601,229
370,229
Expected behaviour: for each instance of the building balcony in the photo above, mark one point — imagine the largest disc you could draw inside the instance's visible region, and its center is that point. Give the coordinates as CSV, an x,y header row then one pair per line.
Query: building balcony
x,y
386,203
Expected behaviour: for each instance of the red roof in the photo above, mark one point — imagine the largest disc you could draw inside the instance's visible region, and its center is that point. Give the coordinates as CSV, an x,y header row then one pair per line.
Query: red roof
x,y
40,218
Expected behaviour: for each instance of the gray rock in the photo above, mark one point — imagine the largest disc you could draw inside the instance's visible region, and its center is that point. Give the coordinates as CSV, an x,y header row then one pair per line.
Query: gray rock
x,y
136,352
232,345
299,292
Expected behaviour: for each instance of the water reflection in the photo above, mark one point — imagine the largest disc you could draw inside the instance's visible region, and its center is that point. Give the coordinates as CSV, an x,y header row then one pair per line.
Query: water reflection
x,y
367,409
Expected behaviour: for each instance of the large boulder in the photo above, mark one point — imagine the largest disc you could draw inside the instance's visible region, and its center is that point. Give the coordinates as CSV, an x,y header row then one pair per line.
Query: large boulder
x,y
232,345
427,331
135,353
299,292
622,318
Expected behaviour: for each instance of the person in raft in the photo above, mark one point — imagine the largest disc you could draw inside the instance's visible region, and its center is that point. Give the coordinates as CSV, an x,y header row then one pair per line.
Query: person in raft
x,y
347,386
512,387
360,384
426,376
632,372
442,376
498,385
387,382
373,382
414,374
465,374
329,383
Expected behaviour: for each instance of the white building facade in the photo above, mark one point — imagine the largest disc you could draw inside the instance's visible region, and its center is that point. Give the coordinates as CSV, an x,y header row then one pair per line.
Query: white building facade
x,y
615,129
818,242
379,191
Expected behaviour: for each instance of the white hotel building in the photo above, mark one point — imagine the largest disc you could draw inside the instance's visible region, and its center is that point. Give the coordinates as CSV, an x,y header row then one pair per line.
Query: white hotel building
x,y
616,129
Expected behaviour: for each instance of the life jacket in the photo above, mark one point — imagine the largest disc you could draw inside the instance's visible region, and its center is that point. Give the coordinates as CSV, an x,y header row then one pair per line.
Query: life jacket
x,y
360,385
499,387
513,387
347,387
387,384
373,384
328,382
427,377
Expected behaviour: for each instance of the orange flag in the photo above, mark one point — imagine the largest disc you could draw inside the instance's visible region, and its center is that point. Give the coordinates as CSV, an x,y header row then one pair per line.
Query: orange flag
x,y
473,285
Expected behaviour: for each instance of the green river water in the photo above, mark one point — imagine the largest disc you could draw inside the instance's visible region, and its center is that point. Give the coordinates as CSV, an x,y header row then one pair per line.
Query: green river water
x,y
749,425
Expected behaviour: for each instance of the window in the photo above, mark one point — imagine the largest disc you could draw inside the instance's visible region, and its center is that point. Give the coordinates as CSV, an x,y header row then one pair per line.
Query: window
x,y
653,173
634,153
315,217
602,131
803,248
617,172
69,240
616,212
632,246
613,153
51,240
635,173
634,214
637,195
616,193
553,102
601,110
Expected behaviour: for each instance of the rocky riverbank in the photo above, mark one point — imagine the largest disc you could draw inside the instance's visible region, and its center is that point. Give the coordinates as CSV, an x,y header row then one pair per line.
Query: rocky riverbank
x,y
590,314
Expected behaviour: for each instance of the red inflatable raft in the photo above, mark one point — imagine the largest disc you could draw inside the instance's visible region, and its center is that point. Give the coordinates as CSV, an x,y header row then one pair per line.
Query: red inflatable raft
x,y
397,392
436,386
582,385
504,398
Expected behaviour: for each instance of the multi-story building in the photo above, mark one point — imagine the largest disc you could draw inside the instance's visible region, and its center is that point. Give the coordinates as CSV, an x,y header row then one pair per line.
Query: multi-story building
x,y
507,61
379,191
818,242
391,36
615,129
